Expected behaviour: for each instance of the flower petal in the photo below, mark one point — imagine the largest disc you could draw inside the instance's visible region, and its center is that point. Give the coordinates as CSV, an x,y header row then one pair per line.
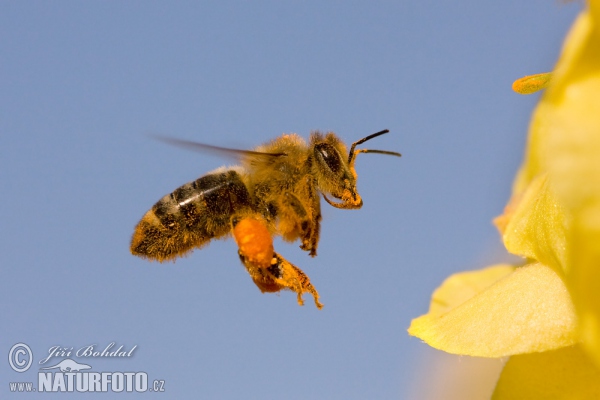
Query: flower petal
x,y
543,123
584,279
537,227
527,311
565,142
560,374
460,287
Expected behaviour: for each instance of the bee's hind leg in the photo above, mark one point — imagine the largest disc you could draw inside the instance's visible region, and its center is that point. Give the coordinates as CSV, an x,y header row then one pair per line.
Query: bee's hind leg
x,y
269,271
294,278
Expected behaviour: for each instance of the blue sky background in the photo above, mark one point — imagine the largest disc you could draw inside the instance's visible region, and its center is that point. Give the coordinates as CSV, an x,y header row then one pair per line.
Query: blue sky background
x,y
81,83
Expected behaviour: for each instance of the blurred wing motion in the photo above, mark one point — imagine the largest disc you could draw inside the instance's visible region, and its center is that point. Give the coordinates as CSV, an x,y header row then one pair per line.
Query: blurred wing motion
x,y
223,151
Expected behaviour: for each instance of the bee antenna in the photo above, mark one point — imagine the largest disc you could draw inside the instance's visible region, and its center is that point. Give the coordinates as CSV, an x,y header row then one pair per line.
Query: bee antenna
x,y
353,153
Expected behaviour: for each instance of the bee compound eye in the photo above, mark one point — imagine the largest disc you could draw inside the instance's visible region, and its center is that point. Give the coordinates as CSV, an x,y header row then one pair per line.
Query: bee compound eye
x,y
328,155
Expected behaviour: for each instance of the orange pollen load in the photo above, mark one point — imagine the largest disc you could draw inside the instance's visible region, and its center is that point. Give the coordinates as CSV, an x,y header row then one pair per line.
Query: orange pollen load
x,y
254,241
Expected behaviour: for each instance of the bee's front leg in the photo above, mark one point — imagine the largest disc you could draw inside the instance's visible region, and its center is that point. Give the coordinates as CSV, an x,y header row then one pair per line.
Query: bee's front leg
x,y
269,271
310,239
300,215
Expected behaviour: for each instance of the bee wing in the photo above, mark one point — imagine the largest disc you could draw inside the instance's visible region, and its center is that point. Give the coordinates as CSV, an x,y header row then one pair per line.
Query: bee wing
x,y
224,151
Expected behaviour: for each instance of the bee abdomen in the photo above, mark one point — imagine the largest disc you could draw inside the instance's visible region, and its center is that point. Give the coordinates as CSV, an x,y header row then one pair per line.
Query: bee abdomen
x,y
191,216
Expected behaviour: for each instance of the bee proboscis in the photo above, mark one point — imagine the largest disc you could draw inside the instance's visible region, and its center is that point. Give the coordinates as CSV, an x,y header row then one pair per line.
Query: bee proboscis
x,y
275,190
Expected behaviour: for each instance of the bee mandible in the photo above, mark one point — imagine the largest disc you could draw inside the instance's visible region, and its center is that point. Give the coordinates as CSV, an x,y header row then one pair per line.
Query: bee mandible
x,y
274,191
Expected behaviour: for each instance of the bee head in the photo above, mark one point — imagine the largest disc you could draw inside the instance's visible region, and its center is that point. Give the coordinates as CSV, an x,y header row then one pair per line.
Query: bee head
x,y
335,173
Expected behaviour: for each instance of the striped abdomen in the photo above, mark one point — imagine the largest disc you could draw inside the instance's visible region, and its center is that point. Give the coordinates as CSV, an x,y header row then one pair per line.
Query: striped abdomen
x,y
191,216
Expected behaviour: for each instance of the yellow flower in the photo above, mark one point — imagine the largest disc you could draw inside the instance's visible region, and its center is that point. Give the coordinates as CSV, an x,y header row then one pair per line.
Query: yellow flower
x,y
545,314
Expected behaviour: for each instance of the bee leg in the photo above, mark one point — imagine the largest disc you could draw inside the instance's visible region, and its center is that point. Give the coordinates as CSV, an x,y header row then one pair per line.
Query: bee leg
x,y
294,279
295,220
310,240
269,271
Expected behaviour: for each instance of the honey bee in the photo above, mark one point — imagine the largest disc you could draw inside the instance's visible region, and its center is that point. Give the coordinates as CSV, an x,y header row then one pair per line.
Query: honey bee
x,y
274,191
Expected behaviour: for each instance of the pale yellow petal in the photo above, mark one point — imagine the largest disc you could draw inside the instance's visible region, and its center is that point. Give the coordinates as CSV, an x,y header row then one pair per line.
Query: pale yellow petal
x,y
565,142
560,374
537,226
571,109
584,279
542,126
527,311
460,287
